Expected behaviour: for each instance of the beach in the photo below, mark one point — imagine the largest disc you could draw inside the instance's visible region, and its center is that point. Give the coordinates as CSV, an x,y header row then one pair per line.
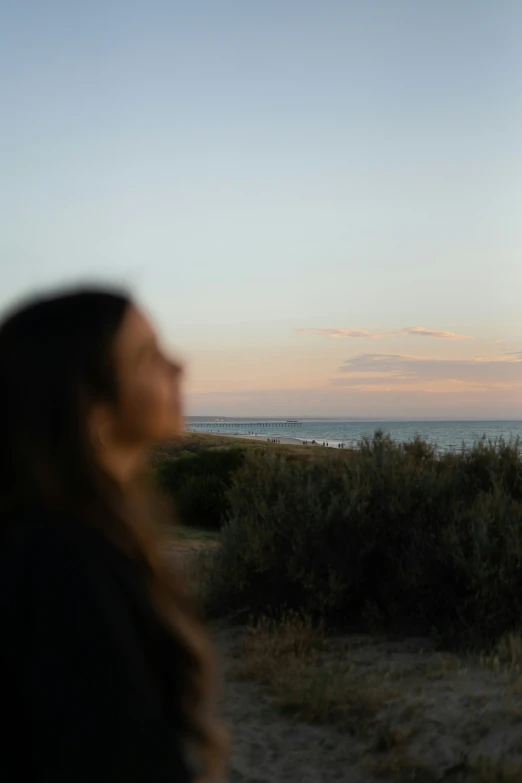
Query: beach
x,y
444,436
282,439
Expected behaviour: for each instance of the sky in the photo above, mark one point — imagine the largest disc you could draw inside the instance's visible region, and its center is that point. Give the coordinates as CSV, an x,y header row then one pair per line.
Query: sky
x,y
318,201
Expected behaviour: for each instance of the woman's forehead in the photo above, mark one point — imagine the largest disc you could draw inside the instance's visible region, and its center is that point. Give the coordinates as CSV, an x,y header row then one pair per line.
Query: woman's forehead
x,y
136,332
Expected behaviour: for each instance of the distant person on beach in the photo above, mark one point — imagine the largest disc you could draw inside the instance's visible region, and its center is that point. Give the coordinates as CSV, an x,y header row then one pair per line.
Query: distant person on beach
x,y
106,672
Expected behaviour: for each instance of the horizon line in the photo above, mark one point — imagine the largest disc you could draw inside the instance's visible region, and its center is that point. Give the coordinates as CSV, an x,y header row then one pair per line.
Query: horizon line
x,y
355,418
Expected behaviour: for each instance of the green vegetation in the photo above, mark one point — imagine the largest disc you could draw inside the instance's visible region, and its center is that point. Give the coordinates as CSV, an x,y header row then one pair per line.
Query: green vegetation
x,y
196,443
193,535
393,537
196,472
286,656
198,482
390,538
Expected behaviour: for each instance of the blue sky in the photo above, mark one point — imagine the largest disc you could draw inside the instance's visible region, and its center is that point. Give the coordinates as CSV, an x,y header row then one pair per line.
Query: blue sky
x,y
306,195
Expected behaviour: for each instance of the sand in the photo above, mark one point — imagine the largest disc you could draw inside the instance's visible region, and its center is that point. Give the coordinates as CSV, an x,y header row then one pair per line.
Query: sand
x,y
267,748
449,714
439,713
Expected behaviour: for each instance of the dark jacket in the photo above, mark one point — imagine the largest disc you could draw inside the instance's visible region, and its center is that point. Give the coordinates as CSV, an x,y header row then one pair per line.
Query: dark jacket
x,y
85,664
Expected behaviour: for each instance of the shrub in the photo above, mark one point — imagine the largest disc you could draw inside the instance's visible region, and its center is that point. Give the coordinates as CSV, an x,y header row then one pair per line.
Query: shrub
x,y
412,540
198,483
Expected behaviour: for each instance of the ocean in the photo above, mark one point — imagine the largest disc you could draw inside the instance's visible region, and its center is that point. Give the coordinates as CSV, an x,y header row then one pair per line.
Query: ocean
x,y
445,435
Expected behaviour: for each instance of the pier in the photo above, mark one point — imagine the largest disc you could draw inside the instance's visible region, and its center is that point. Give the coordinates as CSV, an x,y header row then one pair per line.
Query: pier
x,y
235,424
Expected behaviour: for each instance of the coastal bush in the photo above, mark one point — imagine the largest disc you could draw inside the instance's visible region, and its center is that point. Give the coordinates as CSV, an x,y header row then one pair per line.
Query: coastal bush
x,y
398,537
198,483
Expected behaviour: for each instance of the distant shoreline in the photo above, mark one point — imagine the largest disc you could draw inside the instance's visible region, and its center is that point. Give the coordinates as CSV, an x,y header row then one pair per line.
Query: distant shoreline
x,y
280,439
310,419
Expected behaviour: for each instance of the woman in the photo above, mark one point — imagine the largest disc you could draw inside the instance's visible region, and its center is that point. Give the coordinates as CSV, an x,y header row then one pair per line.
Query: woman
x,y
107,674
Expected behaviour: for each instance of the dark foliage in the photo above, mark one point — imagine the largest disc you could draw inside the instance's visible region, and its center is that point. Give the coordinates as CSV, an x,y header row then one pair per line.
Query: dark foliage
x,y
198,483
397,537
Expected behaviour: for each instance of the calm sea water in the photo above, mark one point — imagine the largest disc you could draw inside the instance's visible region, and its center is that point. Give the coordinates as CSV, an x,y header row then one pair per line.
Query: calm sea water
x,y
446,435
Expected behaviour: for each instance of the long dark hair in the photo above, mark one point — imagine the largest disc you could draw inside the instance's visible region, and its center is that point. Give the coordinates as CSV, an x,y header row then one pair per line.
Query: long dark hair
x,y
56,362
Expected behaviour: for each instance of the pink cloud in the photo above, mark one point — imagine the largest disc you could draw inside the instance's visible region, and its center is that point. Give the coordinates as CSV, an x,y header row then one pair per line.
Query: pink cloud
x,y
347,333
413,331
421,331
390,369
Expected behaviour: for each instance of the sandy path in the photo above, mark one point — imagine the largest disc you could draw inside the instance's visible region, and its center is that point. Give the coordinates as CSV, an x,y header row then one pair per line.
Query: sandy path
x,y
270,749
267,748
455,714
450,710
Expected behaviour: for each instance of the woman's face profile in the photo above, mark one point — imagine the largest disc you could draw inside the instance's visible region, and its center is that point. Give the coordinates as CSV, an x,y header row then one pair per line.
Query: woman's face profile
x,y
149,406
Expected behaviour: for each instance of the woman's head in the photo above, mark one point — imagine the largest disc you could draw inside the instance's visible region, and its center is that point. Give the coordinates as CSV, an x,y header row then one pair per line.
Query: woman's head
x,y
84,386
85,390
145,407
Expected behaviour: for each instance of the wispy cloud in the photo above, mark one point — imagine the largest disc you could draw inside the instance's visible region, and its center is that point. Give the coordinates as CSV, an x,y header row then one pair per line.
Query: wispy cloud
x,y
421,331
378,370
379,384
413,331
348,333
